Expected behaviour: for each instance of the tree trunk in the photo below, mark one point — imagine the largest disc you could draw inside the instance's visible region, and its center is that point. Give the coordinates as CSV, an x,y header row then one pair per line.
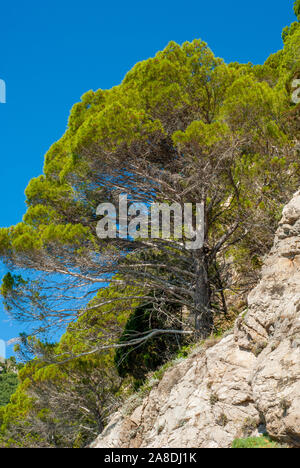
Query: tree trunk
x,y
203,312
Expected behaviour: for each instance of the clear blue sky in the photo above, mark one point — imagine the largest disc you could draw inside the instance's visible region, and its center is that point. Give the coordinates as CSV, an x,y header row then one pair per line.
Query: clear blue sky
x,y
52,52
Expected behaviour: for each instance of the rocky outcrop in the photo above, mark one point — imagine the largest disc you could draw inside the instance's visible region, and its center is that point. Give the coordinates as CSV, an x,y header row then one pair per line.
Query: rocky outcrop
x,y
246,383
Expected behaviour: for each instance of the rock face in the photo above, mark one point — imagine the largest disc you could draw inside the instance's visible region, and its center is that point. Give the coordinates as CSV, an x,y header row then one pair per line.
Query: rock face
x,y
246,383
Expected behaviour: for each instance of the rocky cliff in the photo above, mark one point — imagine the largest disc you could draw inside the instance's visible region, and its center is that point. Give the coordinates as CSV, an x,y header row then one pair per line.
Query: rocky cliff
x,y
246,383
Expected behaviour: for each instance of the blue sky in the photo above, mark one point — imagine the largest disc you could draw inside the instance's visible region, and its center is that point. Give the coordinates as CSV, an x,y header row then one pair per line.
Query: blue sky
x,y
53,52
